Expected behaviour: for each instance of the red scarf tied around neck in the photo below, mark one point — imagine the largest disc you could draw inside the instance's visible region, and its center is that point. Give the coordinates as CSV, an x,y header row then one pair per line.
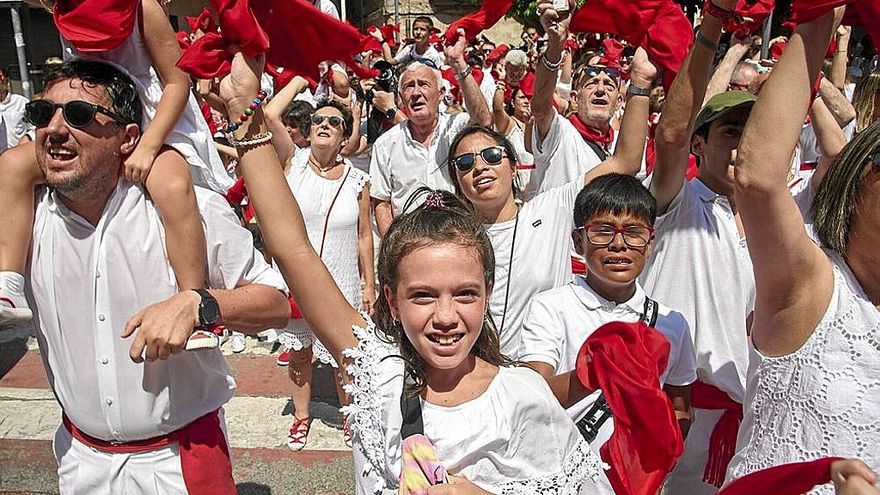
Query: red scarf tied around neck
x,y
591,133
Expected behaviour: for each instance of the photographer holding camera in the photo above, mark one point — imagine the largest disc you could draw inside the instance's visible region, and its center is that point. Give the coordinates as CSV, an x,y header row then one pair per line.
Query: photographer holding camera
x,y
380,95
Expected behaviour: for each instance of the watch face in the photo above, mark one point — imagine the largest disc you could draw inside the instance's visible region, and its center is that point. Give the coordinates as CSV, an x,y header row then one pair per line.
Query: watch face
x,y
209,311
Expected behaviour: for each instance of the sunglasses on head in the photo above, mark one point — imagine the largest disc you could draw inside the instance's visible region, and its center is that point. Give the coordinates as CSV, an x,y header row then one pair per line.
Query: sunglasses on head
x,y
318,119
591,71
491,156
77,113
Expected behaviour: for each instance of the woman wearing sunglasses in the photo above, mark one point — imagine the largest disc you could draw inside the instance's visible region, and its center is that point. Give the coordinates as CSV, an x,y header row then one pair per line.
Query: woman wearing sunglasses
x,y
335,202
532,240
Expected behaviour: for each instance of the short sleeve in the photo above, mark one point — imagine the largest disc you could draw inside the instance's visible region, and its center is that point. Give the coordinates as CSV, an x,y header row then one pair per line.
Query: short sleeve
x,y
546,148
682,365
233,260
404,53
380,173
542,336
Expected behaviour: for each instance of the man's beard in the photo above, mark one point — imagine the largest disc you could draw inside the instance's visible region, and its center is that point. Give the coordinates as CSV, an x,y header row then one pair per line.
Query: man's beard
x,y
81,184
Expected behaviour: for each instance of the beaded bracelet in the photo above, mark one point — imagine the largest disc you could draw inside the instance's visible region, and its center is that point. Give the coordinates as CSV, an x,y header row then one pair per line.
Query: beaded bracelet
x,y
551,66
263,137
233,126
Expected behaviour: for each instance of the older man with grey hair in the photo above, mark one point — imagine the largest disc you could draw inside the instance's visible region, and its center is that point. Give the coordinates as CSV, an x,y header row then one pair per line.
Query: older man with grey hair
x,y
413,153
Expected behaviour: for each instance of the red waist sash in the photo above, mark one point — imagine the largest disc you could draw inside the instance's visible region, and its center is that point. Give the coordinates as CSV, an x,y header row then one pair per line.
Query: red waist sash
x,y
722,443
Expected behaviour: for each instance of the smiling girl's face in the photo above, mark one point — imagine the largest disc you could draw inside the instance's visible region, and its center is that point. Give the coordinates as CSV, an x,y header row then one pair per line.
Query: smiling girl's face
x,y
441,299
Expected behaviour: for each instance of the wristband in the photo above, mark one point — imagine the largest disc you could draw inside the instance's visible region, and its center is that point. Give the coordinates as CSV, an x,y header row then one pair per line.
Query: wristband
x,y
461,76
634,90
703,40
263,137
551,66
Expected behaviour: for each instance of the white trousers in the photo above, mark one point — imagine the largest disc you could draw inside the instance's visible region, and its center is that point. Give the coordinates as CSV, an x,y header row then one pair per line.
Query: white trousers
x,y
687,477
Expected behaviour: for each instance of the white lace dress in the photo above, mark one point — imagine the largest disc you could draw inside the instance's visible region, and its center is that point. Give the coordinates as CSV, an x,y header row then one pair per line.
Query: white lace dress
x,y
515,438
191,136
823,399
315,194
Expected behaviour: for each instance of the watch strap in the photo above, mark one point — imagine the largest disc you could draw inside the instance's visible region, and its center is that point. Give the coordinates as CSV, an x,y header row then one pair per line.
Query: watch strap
x,y
632,89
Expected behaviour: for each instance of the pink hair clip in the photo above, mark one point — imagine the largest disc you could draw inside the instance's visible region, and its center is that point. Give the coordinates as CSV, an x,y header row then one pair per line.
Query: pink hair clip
x,y
434,201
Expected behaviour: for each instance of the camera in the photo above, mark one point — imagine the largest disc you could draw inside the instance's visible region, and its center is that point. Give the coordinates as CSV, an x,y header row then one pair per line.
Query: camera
x,y
387,79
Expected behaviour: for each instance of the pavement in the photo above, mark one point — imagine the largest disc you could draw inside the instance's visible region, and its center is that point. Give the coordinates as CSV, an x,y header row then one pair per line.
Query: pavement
x,y
257,418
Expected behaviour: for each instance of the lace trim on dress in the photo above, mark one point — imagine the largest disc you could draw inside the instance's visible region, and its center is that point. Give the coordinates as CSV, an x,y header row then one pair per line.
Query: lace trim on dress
x,y
360,179
364,414
580,466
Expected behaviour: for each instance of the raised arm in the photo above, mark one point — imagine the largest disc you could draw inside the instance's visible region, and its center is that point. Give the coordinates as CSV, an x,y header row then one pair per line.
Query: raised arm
x,y
281,140
499,114
323,306
840,107
793,276
721,78
840,59
683,102
830,137
556,27
474,101
627,157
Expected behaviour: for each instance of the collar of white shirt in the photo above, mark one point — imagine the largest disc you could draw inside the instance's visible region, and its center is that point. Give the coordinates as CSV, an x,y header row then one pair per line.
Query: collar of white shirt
x,y
593,301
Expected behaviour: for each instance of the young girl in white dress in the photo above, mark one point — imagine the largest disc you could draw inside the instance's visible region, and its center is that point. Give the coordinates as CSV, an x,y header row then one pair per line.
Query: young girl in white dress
x,y
174,152
496,428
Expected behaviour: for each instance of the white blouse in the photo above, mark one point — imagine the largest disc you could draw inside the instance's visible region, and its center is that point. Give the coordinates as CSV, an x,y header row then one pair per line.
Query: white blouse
x,y
515,438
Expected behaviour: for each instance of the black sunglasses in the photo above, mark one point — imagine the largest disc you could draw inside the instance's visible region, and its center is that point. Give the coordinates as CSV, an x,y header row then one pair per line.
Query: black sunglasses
x,y
319,119
591,71
491,156
77,113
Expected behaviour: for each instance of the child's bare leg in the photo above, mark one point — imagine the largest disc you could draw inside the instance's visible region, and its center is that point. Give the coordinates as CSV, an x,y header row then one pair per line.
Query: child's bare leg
x,y
170,186
19,175
300,372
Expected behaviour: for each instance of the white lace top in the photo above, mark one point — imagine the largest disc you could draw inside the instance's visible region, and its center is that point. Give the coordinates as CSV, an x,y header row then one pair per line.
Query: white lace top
x,y
823,399
515,438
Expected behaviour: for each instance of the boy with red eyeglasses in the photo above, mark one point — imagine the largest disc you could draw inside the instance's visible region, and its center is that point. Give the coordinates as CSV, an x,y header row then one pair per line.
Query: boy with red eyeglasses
x,y
615,214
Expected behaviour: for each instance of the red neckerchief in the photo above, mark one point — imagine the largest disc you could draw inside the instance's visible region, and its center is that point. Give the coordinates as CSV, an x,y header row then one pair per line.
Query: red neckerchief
x,y
591,133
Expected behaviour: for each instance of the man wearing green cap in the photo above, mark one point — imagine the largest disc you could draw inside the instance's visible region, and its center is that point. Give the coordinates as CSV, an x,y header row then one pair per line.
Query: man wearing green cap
x,y
701,265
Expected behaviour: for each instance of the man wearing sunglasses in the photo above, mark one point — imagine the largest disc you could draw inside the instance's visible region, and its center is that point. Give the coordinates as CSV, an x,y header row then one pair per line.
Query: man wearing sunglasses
x,y
134,406
567,148
413,153
12,123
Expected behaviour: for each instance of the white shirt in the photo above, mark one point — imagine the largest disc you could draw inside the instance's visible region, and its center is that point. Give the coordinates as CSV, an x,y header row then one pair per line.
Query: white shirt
x,y
558,322
327,7
540,258
12,123
512,438
561,157
401,164
701,267
87,281
408,54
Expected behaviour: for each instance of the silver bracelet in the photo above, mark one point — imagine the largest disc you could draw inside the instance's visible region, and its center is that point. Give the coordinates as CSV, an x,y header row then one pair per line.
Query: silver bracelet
x,y
263,137
461,76
550,65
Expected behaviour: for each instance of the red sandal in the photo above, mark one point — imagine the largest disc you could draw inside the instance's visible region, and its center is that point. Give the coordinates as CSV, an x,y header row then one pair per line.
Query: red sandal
x,y
299,433
346,432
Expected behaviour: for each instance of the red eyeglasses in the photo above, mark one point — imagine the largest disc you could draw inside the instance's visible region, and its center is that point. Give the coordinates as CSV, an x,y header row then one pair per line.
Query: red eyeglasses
x,y
634,236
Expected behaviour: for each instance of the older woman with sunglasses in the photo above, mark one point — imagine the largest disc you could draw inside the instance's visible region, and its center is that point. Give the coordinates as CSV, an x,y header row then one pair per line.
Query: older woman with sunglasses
x,y
335,199
531,241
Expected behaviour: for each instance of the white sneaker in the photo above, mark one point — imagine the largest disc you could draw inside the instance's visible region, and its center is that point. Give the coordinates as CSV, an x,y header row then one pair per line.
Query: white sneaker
x,y
14,307
237,342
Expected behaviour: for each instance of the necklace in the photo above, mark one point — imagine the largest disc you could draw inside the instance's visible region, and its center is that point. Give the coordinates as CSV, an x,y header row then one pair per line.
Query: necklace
x,y
322,171
509,271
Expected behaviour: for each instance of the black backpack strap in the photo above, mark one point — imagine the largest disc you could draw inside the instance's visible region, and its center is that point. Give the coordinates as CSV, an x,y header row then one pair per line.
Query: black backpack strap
x,y
598,149
600,411
410,408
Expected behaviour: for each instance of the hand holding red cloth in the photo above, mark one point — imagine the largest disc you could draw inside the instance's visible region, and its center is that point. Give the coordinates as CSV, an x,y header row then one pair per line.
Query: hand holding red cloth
x,y
304,36
788,479
612,51
498,53
625,361
858,12
751,14
490,12
658,26
204,22
95,25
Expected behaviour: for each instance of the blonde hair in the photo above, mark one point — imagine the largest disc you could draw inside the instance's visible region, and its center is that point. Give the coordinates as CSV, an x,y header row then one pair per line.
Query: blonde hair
x,y
865,100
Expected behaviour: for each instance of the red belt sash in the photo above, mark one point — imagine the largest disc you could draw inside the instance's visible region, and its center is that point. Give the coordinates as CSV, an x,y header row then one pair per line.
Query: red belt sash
x,y
204,455
722,443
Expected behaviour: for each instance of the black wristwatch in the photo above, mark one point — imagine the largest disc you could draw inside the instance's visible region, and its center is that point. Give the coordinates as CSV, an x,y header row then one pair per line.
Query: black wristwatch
x,y
390,113
209,310
637,91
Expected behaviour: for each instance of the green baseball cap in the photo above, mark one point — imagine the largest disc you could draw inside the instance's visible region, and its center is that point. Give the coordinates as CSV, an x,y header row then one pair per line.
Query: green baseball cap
x,y
721,104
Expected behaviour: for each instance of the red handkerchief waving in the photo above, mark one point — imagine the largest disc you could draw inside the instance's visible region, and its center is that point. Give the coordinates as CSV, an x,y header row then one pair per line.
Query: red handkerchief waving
x,y
625,361
299,30
491,11
788,479
658,26
858,12
95,25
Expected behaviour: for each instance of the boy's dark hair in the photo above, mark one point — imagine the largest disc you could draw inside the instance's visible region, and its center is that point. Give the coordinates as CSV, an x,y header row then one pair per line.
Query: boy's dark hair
x,y
297,114
347,119
618,194
424,19
124,97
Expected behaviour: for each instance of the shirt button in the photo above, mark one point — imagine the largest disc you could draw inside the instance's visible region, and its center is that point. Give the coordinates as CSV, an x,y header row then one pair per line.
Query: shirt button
x,y
101,317
109,401
104,360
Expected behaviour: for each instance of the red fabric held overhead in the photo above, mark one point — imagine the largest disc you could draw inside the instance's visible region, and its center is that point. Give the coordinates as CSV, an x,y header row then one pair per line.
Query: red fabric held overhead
x,y
204,22
858,13
490,12
658,26
302,34
625,361
95,25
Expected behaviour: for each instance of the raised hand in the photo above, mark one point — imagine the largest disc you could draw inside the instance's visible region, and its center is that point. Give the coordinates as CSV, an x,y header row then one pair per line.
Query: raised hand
x,y
242,84
455,52
642,71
